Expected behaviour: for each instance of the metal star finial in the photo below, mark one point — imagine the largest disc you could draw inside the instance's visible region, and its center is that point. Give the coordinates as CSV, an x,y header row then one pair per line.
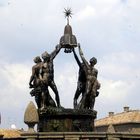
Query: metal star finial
x,y
68,13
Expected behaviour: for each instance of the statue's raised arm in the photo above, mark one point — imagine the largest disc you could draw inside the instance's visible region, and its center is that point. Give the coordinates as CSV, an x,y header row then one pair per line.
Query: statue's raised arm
x,y
83,58
55,52
76,58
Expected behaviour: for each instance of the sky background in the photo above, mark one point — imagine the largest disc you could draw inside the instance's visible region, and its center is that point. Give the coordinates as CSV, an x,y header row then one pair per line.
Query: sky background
x,y
106,29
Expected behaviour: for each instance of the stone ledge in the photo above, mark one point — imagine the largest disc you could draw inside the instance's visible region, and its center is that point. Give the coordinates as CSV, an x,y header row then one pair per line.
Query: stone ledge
x,y
80,135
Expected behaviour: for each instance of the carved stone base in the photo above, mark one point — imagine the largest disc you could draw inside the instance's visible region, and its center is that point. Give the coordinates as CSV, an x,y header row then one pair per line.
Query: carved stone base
x,y
66,120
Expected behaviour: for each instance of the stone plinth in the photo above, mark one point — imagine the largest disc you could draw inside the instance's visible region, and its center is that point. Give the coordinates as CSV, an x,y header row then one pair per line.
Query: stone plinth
x,y
66,120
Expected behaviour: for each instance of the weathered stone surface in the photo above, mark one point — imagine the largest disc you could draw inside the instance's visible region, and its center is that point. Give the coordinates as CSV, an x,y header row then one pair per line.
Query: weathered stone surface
x,y
31,117
66,120
31,114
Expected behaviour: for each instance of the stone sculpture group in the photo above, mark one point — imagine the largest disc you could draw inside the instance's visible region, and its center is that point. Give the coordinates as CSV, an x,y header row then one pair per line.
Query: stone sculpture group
x,y
43,77
43,74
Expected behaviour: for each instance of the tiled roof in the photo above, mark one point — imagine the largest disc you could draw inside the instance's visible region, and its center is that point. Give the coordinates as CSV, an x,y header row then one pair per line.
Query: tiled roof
x,y
131,116
10,133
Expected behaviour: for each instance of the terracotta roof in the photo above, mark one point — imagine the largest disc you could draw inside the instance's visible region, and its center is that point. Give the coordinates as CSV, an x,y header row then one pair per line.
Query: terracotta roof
x,y
10,133
132,116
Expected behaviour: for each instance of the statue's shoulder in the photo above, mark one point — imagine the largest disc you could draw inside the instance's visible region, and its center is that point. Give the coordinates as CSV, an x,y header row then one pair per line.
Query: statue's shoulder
x,y
34,67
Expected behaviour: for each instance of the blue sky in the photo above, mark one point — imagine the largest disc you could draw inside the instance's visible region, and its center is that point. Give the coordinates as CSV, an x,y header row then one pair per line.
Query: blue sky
x,y
106,29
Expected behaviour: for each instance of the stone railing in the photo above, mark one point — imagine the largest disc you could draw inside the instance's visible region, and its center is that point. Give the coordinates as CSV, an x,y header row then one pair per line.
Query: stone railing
x,y
79,136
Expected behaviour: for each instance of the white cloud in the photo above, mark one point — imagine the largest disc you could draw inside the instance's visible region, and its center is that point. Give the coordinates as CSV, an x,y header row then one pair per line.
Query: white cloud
x,y
14,92
86,13
114,90
16,74
121,65
119,75
16,77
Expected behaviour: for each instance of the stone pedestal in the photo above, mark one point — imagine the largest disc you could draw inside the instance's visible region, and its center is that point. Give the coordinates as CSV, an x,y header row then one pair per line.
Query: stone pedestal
x,y
66,120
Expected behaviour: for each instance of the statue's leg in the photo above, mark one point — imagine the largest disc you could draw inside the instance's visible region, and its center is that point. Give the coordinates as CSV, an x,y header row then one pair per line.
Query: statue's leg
x,y
37,99
43,100
36,93
44,91
88,86
77,94
50,101
54,88
92,101
96,87
82,102
85,102
93,95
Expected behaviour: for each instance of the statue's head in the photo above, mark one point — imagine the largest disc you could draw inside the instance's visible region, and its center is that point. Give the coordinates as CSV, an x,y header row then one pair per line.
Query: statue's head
x,y
37,59
45,56
93,61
